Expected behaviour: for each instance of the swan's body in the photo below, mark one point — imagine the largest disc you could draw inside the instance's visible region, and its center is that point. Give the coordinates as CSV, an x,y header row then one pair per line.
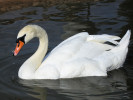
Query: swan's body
x,y
78,56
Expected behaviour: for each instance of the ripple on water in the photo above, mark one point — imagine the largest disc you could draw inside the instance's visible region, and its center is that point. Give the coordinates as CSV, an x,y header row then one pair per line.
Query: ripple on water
x,y
61,22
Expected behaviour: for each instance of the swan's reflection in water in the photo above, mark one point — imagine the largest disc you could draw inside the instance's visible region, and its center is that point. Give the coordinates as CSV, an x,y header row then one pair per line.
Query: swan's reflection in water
x,y
88,88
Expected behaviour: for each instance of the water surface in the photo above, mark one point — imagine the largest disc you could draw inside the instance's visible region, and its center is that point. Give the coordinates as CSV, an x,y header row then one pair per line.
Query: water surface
x,y
62,21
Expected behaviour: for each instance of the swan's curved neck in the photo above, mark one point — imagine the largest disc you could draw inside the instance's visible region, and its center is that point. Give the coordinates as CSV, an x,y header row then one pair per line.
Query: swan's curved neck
x,y
29,67
38,56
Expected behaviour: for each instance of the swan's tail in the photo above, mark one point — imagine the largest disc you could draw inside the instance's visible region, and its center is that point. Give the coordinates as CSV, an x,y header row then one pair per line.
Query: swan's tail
x,y
120,52
115,58
125,40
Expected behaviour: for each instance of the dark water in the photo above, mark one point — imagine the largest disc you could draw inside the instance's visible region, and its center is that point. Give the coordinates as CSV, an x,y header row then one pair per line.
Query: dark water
x,y
60,22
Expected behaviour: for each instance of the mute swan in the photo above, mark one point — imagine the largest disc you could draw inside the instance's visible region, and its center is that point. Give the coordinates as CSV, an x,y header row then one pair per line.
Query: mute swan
x,y
78,56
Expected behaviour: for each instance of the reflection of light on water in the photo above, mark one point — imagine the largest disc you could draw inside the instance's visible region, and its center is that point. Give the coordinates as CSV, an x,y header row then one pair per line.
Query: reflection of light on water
x,y
89,87
39,93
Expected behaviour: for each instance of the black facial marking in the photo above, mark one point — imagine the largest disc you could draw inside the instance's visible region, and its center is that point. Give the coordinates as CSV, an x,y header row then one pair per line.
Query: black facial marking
x,y
21,39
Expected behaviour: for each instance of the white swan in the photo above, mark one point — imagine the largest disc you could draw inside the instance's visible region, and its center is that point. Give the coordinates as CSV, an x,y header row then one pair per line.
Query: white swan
x,y
78,56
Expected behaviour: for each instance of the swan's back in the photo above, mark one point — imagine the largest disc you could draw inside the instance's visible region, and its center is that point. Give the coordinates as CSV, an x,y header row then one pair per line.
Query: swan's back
x,y
86,55
78,46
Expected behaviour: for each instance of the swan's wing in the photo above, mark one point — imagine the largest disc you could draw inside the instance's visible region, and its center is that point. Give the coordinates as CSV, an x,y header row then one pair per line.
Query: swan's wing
x,y
66,49
80,45
91,50
95,45
80,36
74,55
99,65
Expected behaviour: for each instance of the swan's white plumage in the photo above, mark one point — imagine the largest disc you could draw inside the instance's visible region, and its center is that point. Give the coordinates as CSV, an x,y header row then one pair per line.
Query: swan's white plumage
x,y
78,56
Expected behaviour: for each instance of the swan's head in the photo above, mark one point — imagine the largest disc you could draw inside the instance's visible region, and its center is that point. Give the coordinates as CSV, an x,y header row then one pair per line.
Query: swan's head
x,y
25,35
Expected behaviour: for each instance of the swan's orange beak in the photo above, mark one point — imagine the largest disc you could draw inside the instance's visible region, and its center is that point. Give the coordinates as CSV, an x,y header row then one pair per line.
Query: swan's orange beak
x,y
18,48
